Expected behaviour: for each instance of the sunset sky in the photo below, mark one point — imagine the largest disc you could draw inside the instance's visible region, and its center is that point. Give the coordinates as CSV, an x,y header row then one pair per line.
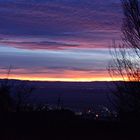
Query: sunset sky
x,y
58,40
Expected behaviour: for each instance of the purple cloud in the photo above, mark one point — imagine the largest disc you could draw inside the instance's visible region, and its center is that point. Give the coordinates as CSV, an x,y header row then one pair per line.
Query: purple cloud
x,y
85,20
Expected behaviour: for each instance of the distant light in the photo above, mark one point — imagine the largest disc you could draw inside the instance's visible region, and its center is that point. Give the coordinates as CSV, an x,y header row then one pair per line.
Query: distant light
x,y
97,115
89,111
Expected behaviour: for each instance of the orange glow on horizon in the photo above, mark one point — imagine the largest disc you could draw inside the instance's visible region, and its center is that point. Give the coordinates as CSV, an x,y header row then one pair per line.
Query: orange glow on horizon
x,y
63,79
67,75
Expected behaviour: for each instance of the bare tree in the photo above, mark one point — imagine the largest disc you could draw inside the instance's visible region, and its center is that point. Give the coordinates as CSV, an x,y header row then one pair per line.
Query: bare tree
x,y
5,98
13,96
126,61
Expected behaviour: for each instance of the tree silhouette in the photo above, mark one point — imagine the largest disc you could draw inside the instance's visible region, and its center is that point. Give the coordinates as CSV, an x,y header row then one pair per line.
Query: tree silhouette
x,y
5,98
126,62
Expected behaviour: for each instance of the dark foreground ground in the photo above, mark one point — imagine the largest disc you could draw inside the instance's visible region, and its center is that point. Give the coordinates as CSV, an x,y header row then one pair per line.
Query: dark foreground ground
x,y
59,126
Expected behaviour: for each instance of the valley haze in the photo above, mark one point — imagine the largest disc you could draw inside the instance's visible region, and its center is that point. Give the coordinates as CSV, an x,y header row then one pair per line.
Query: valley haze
x,y
78,96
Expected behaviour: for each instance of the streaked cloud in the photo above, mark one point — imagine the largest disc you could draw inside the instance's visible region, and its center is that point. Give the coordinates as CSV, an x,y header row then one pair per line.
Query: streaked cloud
x,y
91,21
58,39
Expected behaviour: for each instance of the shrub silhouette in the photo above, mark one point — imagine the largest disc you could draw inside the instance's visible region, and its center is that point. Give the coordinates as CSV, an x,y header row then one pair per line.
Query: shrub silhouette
x,y
22,92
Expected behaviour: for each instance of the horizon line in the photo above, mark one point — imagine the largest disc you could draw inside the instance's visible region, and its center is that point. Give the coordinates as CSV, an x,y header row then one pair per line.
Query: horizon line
x,y
81,81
